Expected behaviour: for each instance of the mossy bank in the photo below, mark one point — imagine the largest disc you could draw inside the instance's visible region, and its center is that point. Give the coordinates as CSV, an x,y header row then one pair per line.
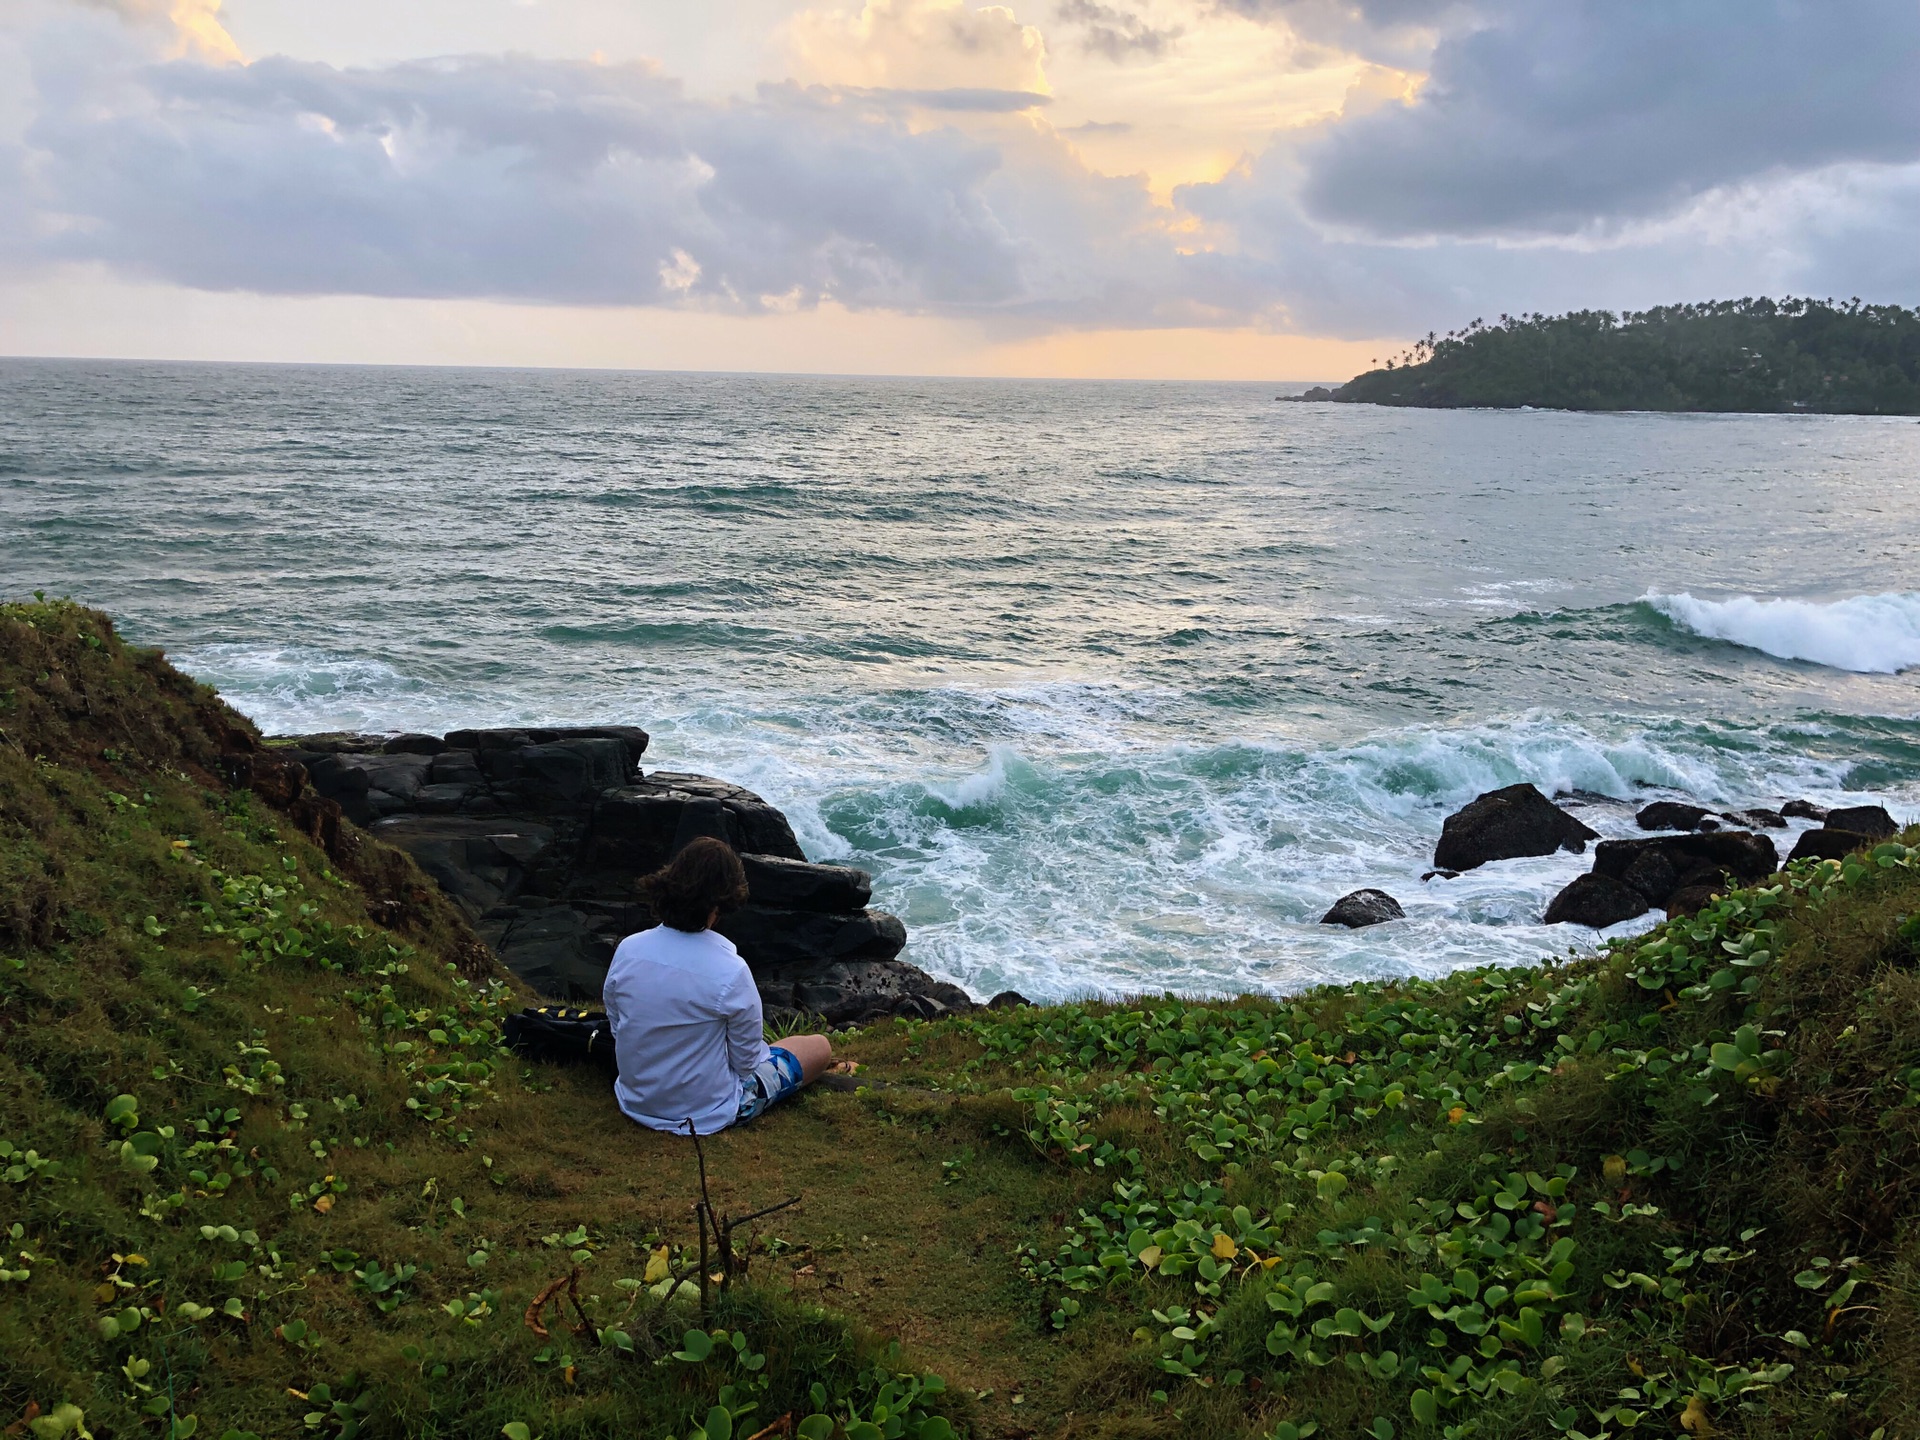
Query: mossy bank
x,y
267,1171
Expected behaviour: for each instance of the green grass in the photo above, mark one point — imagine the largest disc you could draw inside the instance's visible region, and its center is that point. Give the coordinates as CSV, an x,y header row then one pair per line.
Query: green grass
x,y
266,1171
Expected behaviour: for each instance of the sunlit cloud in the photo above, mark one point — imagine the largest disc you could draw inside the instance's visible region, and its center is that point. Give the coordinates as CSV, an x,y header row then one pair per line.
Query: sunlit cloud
x,y
1053,174
195,25
921,45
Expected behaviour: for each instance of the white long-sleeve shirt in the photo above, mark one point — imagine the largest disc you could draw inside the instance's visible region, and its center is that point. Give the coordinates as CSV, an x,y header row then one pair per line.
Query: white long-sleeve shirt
x,y
686,1027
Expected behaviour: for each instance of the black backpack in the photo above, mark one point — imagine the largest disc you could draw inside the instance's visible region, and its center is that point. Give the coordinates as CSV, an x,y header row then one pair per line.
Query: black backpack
x,y
559,1036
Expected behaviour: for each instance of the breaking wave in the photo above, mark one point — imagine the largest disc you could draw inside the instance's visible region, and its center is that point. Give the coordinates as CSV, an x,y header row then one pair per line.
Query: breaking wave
x,y
1868,634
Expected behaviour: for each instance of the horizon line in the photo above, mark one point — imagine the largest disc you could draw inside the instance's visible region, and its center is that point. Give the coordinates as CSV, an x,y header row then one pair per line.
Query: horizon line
x,y
656,370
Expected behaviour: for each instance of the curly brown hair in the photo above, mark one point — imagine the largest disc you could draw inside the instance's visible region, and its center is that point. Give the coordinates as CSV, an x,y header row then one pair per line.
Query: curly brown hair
x,y
705,876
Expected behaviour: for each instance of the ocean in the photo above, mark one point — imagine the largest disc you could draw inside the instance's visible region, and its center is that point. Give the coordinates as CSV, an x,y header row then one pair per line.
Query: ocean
x,y
1114,687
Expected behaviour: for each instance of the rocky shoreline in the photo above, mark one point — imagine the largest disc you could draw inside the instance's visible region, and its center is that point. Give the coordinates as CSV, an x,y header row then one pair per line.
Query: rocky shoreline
x,y
540,835
1700,854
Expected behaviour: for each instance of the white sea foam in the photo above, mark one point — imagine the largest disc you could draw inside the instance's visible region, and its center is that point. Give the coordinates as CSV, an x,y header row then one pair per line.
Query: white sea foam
x,y
1871,634
1065,838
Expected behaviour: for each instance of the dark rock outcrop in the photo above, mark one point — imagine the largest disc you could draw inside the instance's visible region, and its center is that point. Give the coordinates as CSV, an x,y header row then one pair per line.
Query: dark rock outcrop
x,y
1756,819
1803,810
1659,865
1865,820
1829,843
1691,900
1596,900
1671,815
1677,873
1505,825
541,835
1362,908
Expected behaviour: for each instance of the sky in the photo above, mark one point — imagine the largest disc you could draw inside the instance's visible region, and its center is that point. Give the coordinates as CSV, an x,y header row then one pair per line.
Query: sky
x,y
1202,189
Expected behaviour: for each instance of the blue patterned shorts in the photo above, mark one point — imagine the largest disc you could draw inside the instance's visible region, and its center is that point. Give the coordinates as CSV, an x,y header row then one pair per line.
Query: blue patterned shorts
x,y
775,1078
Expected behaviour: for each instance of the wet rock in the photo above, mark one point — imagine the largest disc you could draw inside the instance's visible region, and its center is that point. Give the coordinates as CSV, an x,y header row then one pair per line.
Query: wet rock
x,y
1362,908
1008,1000
1865,820
1597,901
1439,875
1655,872
541,835
1756,819
779,943
1829,843
1803,810
1671,815
1505,825
1691,900
777,883
850,991
1660,865
413,745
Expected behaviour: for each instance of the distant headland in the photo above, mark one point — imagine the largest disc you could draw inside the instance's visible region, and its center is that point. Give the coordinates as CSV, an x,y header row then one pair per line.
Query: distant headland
x,y
1766,356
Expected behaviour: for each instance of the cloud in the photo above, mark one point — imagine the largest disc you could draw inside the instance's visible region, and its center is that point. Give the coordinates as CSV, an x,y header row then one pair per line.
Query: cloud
x,y
1390,32
194,25
1558,118
959,99
1842,230
928,45
1113,32
565,182
917,172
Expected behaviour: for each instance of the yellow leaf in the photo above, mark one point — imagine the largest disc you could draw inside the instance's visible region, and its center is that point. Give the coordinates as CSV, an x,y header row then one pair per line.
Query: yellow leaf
x,y
104,1293
1694,1420
323,1204
1456,1114
1269,1262
657,1266
1224,1248
1614,1168
1150,1256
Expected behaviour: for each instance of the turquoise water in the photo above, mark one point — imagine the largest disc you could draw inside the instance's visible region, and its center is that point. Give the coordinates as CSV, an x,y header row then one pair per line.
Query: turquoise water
x,y
1112,686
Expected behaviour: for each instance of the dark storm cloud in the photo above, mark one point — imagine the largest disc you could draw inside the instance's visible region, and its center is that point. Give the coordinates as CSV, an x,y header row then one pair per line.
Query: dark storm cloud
x,y
1114,32
1555,118
515,177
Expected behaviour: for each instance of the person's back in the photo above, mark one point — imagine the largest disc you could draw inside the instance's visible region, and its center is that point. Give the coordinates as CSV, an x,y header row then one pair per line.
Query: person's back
x,y
688,1032
687,1024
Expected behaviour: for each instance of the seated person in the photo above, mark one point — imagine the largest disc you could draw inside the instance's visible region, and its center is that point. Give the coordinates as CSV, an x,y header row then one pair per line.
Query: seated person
x,y
687,1027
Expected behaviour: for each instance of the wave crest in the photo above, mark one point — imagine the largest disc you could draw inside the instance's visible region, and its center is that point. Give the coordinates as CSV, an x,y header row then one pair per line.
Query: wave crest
x,y
1868,634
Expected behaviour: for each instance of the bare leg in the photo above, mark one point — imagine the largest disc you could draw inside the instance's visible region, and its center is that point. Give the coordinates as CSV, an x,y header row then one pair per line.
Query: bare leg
x,y
814,1052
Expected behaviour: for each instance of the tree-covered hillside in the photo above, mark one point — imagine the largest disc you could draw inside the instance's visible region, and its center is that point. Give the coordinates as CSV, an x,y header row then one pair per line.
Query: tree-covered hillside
x,y
1746,355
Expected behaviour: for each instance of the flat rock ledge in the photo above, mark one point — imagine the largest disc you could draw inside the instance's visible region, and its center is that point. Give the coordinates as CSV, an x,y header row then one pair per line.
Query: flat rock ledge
x,y
540,835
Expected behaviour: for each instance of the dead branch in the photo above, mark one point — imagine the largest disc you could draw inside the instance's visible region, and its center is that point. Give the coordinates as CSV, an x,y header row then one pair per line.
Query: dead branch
x,y
532,1318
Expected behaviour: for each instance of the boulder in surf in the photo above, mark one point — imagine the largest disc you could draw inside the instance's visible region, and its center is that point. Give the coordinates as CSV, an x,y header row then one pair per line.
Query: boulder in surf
x,y
1661,864
1363,908
1671,815
1829,843
1508,824
1865,820
1596,901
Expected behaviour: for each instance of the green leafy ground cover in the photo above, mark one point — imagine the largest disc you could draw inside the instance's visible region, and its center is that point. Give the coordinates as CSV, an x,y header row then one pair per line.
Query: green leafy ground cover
x,y
265,1171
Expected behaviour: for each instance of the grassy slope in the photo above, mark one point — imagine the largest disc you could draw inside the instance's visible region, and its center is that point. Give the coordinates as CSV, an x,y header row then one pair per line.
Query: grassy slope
x,y
1514,1201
